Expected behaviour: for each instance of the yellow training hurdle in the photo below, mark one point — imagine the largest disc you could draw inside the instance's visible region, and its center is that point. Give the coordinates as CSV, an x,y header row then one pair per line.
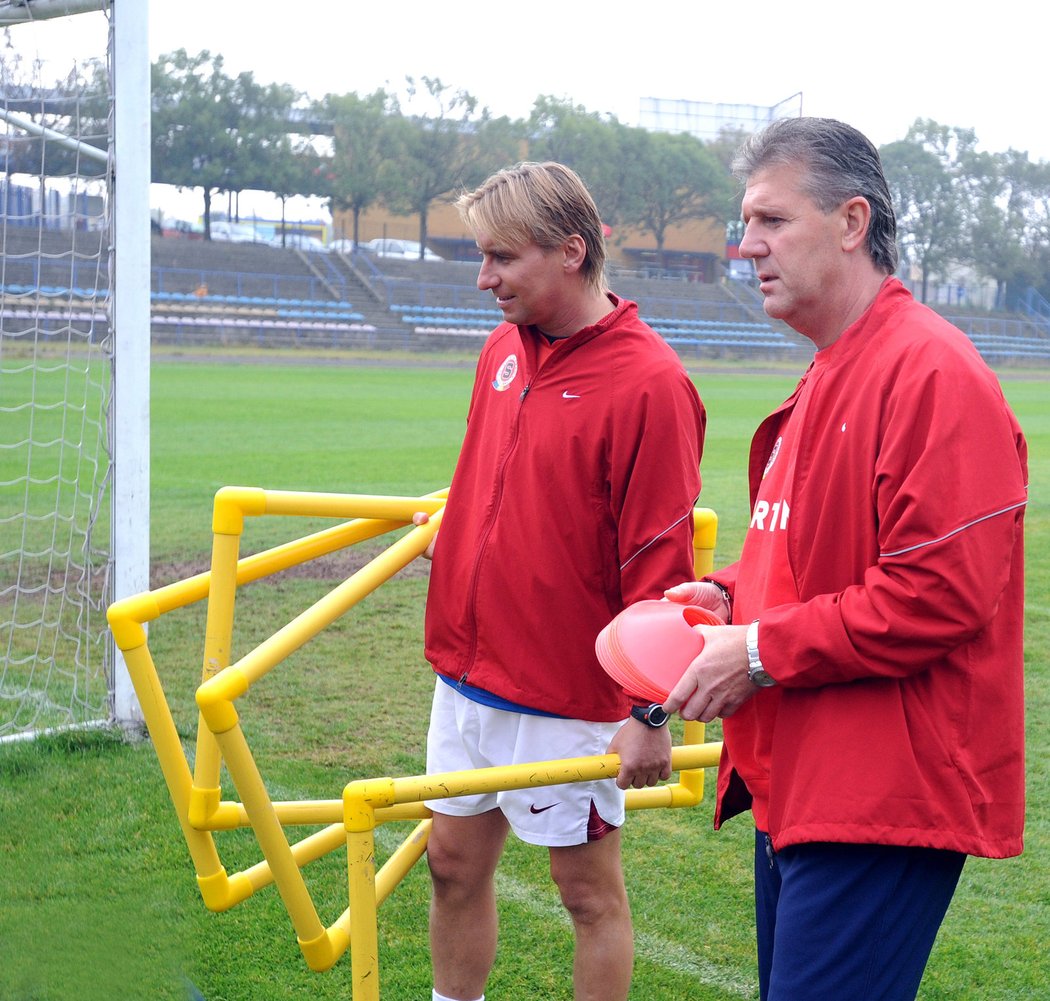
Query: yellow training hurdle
x,y
350,821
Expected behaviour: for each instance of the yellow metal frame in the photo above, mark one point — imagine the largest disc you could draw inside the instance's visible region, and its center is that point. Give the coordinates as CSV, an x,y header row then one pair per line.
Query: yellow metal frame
x,y
351,820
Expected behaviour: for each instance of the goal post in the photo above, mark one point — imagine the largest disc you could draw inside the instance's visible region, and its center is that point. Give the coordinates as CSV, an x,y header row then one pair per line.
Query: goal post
x,y
74,361
131,327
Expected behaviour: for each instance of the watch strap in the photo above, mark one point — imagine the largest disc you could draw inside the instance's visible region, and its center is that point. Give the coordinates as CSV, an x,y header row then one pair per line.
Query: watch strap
x,y
651,715
727,598
756,671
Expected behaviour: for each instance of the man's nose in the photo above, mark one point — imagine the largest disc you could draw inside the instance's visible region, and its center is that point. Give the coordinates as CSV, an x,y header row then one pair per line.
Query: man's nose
x,y
486,278
750,245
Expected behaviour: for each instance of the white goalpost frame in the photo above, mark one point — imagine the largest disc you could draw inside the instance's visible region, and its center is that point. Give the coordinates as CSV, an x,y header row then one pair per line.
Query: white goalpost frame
x,y
128,429
131,325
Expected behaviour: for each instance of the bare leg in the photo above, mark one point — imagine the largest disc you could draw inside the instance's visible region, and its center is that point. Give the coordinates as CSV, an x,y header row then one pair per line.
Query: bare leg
x,y
463,853
590,880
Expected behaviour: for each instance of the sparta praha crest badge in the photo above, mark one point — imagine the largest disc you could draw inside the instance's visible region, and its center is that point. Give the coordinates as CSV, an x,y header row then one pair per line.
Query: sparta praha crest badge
x,y
505,374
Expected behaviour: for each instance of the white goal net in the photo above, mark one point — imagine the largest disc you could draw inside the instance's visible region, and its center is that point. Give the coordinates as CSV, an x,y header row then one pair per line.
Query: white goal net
x,y
59,341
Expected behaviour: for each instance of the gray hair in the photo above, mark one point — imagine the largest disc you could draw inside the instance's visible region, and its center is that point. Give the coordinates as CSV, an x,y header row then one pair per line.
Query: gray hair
x,y
840,163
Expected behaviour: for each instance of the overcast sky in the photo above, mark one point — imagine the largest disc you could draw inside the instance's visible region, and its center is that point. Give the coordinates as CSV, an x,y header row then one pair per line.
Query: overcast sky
x,y
877,66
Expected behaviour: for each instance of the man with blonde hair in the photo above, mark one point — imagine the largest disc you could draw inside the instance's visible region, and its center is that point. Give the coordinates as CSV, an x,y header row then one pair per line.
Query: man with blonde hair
x,y
572,497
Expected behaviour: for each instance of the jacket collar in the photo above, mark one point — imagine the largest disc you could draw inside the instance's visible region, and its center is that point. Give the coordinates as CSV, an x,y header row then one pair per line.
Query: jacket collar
x,y
857,336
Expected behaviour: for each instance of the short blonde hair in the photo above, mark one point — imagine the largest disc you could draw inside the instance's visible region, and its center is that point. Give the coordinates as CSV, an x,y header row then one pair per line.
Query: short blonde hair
x,y
541,203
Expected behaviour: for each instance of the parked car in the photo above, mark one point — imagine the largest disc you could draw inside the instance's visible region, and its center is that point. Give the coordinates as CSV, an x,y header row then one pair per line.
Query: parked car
x,y
234,232
405,250
342,246
184,230
300,241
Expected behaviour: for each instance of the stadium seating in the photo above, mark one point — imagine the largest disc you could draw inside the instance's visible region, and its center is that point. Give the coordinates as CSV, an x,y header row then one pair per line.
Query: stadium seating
x,y
214,292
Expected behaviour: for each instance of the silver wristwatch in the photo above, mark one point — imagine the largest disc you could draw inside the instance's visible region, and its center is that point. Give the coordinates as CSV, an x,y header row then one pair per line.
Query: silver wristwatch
x,y
756,673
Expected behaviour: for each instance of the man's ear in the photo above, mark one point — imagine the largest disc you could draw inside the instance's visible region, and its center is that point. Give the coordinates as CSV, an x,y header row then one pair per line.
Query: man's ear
x,y
856,217
575,250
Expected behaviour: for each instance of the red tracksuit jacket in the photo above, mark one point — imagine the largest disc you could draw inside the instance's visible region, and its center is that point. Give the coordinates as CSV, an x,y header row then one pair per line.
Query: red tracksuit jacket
x,y
900,669
572,498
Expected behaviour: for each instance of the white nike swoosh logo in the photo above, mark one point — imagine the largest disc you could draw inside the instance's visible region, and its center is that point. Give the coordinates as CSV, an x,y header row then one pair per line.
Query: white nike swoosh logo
x,y
569,396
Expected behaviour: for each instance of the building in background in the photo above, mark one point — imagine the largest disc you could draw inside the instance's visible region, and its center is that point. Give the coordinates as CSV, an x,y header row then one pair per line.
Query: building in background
x,y
708,121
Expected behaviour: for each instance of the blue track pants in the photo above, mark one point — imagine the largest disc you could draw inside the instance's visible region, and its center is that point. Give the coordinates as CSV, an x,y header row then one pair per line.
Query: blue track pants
x,y
840,922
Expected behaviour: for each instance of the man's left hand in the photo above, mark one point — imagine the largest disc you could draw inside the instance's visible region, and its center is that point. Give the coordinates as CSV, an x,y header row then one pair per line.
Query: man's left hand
x,y
715,683
645,754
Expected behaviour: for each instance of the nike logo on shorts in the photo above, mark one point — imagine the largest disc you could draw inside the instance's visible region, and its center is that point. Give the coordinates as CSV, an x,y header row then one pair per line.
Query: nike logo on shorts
x,y
541,809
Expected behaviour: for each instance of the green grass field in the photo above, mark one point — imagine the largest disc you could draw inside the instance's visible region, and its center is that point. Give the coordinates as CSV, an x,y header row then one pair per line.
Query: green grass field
x,y
98,890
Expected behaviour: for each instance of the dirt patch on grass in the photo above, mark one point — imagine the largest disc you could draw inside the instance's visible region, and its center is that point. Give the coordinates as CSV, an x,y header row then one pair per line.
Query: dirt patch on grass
x,y
334,567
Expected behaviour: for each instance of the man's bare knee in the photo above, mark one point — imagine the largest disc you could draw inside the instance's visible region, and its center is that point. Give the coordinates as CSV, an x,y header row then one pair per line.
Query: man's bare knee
x,y
464,851
449,868
590,882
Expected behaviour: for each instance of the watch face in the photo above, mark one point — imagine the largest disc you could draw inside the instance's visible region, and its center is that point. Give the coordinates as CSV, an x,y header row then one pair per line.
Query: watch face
x,y
657,716
762,679
652,715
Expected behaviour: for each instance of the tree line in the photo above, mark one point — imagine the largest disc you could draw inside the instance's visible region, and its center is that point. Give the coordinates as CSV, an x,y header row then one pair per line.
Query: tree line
x,y
956,207
359,151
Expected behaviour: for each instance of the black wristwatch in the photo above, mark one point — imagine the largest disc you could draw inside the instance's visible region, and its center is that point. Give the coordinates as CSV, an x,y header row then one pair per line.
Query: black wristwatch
x,y
651,715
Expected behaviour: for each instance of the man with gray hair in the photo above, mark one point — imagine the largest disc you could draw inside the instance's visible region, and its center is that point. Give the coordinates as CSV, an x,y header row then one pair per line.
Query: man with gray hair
x,y
871,677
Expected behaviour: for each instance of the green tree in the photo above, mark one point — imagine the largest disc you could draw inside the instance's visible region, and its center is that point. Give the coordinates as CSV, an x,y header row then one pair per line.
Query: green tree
x,y
1037,224
358,128
266,150
76,106
218,132
932,195
293,167
591,144
1005,247
674,180
194,124
724,150
436,155
639,179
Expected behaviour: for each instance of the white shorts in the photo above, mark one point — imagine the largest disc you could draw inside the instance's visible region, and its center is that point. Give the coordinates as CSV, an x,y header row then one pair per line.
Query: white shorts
x,y
465,735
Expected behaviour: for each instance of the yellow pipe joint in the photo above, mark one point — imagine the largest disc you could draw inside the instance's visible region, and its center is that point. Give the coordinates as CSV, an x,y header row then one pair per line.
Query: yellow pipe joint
x,y
126,617
362,798
322,952
215,699
201,808
232,504
221,892
705,528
